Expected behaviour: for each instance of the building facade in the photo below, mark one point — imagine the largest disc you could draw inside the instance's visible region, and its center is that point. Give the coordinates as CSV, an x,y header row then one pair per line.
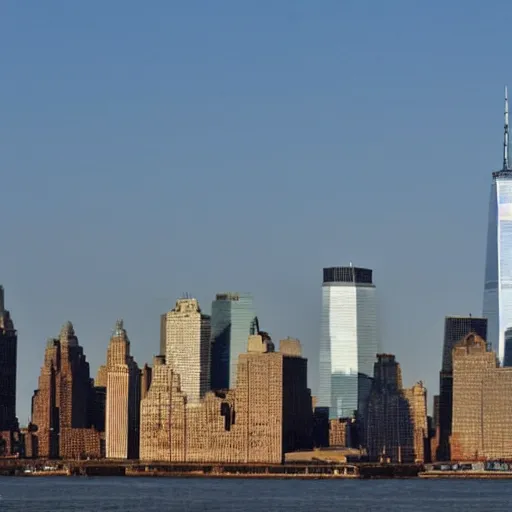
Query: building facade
x,y
455,329
396,423
416,397
8,365
122,399
482,403
61,406
268,414
497,297
188,347
233,320
348,340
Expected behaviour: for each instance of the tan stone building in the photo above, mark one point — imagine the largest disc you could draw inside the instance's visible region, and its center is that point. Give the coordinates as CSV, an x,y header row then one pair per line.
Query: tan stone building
x,y
61,407
188,347
340,430
482,403
123,398
267,414
417,399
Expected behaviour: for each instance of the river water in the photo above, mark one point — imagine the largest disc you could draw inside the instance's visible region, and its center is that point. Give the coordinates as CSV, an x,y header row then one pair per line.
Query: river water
x,y
127,494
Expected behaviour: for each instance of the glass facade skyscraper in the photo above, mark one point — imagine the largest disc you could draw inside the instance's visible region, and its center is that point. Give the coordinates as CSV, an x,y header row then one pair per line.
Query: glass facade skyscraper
x,y
233,318
497,302
348,340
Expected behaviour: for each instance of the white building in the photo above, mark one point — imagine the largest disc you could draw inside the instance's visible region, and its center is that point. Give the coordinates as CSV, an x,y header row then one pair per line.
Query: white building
x,y
187,349
348,340
497,302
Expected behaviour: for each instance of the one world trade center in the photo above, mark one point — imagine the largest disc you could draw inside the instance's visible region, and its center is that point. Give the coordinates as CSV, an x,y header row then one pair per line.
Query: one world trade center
x,y
497,304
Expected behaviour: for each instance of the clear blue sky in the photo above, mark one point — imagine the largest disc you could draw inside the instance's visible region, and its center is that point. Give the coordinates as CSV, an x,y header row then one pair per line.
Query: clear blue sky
x,y
153,148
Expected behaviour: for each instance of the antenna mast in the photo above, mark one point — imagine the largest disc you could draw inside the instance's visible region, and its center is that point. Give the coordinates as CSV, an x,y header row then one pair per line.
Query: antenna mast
x,y
505,135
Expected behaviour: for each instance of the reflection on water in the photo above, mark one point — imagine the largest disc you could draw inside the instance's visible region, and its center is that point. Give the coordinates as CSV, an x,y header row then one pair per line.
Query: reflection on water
x,y
124,494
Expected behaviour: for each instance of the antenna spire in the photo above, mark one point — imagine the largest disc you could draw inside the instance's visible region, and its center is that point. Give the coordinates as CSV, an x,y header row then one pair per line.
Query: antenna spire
x,y
505,135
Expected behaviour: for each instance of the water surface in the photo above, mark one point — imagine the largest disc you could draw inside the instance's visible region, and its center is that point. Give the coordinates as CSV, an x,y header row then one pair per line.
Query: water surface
x,y
127,494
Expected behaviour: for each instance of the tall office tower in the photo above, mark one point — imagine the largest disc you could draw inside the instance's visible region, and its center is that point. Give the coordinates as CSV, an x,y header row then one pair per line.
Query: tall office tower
x,y
348,340
188,347
233,317
61,407
273,402
497,303
387,429
397,418
123,398
8,361
416,396
482,403
455,328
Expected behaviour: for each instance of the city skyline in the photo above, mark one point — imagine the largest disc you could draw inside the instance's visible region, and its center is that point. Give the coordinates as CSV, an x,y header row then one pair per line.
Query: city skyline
x,y
189,114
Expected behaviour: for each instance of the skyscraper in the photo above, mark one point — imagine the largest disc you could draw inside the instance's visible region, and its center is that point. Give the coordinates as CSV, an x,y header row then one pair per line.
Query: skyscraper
x,y
497,302
8,362
123,398
61,407
348,340
388,421
233,317
188,347
455,329
482,403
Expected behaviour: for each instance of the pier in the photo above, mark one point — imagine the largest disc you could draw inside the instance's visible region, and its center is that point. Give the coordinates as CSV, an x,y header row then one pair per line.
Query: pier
x,y
29,468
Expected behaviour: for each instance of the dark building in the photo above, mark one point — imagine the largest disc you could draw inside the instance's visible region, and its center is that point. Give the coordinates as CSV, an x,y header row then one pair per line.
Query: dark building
x,y
507,360
163,333
435,415
8,361
388,423
455,329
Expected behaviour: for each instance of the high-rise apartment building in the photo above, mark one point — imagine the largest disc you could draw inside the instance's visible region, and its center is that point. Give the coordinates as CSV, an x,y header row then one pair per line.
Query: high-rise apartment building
x,y
233,320
348,340
61,407
8,362
188,347
497,299
123,398
455,329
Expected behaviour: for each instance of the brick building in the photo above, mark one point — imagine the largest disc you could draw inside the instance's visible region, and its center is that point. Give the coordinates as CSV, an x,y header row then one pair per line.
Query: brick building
x,y
61,406
268,414
482,403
